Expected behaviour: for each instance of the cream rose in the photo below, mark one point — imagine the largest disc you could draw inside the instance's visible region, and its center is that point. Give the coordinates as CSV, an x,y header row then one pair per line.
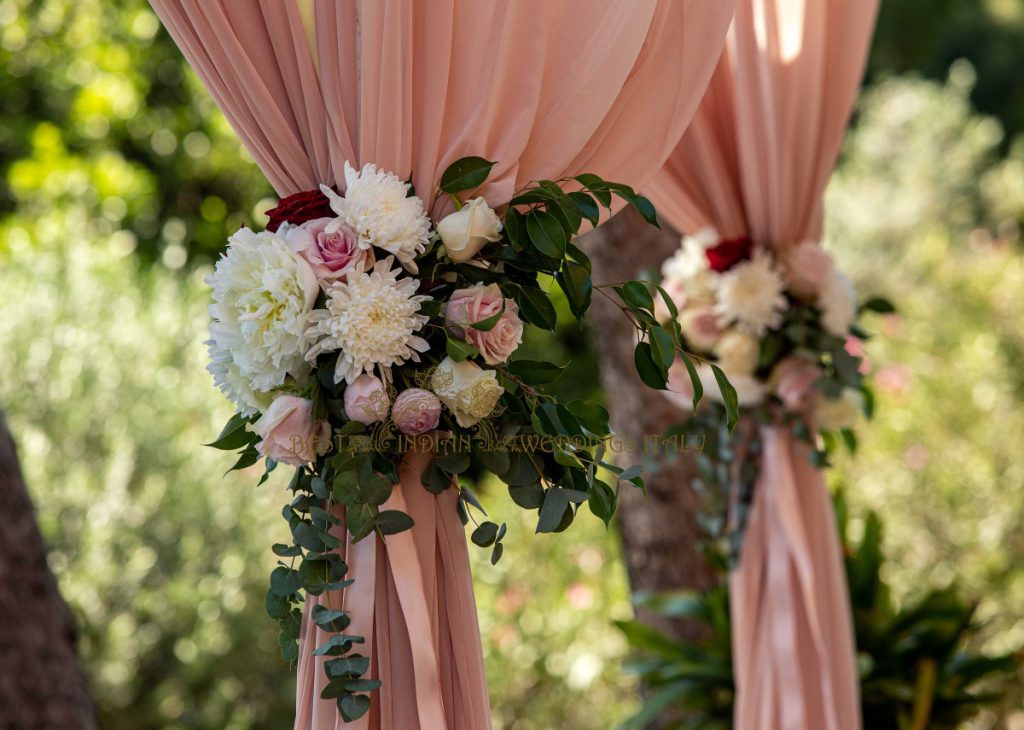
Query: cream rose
x,y
476,304
737,353
289,433
469,229
366,400
469,391
807,265
838,303
701,326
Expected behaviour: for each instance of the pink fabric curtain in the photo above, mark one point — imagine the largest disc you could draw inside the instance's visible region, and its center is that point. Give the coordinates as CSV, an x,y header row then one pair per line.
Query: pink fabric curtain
x,y
755,161
546,88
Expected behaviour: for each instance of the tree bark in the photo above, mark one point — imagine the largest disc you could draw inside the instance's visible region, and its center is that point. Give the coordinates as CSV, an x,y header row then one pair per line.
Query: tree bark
x,y
660,534
42,686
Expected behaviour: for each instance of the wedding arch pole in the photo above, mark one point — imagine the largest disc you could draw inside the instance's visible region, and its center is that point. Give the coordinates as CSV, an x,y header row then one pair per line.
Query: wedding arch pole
x,y
753,166
545,90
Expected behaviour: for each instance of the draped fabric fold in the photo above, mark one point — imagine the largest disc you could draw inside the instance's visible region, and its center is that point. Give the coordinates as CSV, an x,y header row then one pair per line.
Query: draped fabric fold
x,y
755,161
546,89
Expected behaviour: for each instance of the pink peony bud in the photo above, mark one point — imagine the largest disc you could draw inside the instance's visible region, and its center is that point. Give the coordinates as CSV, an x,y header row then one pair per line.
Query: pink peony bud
x,y
416,411
366,400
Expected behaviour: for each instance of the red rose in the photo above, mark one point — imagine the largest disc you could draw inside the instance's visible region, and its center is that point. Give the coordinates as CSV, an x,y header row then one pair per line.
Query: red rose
x,y
299,208
728,252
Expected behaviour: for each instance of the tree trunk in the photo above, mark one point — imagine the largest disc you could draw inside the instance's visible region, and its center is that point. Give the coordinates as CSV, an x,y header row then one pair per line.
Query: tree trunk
x,y
660,533
42,686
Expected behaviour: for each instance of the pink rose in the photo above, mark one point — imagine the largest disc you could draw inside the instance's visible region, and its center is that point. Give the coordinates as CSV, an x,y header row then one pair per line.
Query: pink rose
x,y
331,248
701,326
794,379
290,435
476,304
807,267
366,400
416,411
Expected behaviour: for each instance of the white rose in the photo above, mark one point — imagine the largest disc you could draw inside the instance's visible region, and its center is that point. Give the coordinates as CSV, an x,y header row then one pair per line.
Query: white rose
x,y
469,391
468,230
834,414
838,303
737,353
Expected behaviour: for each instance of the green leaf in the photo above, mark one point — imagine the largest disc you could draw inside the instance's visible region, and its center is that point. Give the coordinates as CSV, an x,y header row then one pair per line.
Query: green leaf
x,y
663,347
636,295
246,459
337,645
536,372
535,307
306,536
466,173
695,381
330,619
458,350
354,665
646,209
485,534
234,435
530,496
646,366
602,501
878,304
277,606
556,502
673,310
515,229
352,707
578,288
588,208
496,553
729,397
286,551
284,581
592,416
393,521
546,234
362,685
435,480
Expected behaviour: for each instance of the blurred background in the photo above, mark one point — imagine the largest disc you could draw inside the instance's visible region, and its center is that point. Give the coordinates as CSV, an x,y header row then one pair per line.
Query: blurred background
x,y
119,181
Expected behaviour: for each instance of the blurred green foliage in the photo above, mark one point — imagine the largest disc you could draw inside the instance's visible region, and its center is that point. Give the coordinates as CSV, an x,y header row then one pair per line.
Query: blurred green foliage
x,y
119,182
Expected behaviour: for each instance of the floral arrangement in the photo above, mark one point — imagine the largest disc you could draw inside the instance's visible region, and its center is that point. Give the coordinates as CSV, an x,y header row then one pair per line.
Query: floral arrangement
x,y
355,329
782,325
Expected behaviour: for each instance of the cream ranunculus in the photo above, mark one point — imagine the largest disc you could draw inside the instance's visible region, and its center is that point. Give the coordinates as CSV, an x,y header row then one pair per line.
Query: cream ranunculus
x,y
737,353
838,303
469,229
833,414
469,391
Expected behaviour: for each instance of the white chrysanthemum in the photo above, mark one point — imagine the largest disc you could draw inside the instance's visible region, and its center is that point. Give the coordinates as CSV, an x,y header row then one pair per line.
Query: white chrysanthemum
x,y
838,303
687,270
371,319
751,294
262,294
378,208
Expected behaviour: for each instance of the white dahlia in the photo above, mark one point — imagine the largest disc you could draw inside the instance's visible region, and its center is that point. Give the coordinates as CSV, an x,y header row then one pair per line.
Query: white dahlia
x,y
371,319
838,303
262,294
751,294
377,206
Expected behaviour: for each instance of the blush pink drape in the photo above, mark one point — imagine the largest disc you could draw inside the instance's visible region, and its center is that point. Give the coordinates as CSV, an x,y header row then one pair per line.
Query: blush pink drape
x,y
755,161
546,88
